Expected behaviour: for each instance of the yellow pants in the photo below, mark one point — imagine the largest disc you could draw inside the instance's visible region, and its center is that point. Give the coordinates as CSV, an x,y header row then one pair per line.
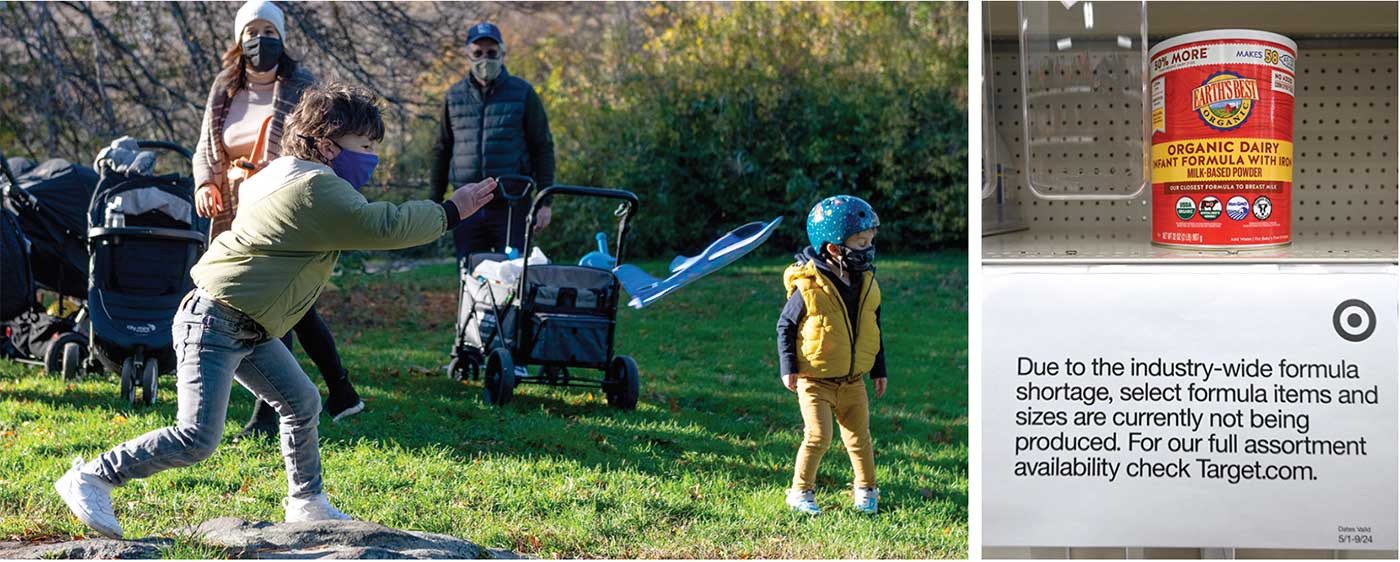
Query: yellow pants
x,y
819,399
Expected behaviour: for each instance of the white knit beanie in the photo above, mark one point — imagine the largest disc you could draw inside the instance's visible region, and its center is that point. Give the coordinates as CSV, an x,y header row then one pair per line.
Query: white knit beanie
x,y
259,10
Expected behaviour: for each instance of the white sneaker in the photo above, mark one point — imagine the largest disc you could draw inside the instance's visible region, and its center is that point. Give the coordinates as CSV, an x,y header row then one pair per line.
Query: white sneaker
x,y
90,500
867,500
316,508
803,501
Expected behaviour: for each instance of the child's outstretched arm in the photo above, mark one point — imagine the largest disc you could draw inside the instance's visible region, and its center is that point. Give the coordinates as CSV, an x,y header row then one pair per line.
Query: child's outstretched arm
x,y
788,326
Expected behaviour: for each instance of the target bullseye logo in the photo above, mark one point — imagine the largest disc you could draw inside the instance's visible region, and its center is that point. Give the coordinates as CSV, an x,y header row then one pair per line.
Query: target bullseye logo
x,y
1354,320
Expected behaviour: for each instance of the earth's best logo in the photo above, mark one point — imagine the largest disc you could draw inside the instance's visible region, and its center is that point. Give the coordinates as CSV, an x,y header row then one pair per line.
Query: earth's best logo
x,y
1225,100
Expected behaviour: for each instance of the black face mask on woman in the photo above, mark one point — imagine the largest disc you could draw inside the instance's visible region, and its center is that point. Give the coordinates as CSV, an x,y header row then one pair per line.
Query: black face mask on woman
x,y
262,53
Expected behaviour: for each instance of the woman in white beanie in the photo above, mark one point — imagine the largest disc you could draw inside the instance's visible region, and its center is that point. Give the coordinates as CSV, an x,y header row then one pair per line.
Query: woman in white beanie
x,y
257,88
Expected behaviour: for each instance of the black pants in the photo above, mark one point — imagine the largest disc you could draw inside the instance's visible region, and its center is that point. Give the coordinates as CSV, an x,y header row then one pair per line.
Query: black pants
x,y
485,231
318,342
316,339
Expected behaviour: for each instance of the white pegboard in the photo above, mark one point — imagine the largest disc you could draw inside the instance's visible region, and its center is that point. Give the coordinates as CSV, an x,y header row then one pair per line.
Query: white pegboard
x,y
1345,178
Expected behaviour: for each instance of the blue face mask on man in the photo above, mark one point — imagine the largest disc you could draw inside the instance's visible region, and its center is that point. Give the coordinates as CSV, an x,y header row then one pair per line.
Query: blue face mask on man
x,y
353,167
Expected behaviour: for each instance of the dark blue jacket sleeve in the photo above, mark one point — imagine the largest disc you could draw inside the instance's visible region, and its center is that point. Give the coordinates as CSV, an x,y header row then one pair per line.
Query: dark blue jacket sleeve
x,y
789,323
878,371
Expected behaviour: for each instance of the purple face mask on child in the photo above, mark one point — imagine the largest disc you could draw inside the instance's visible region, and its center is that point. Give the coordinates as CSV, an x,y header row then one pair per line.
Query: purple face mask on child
x,y
353,167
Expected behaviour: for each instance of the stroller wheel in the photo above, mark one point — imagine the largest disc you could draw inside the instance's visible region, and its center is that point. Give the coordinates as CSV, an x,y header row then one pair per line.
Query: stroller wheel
x,y
72,361
500,378
148,381
53,359
128,376
623,385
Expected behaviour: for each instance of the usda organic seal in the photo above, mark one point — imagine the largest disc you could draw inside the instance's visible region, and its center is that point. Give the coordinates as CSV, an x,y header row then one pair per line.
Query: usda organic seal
x,y
1185,208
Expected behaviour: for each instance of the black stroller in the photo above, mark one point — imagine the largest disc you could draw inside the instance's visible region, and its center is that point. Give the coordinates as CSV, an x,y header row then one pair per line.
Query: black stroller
x,y
143,237
44,247
555,316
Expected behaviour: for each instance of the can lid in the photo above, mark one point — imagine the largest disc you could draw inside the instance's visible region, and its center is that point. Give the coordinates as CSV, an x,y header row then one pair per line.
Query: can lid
x,y
1222,34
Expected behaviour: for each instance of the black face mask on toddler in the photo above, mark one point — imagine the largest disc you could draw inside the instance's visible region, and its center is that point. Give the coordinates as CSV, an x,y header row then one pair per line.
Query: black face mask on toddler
x,y
858,260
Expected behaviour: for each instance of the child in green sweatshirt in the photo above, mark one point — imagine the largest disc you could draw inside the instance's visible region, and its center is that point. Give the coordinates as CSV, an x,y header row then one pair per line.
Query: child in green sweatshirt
x,y
253,284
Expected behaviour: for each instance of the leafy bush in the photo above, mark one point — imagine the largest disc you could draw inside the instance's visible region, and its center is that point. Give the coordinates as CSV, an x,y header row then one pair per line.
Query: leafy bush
x,y
717,115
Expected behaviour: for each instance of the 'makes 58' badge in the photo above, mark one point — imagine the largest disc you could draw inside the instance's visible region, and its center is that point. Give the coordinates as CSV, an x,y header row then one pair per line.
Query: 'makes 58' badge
x,y
1225,100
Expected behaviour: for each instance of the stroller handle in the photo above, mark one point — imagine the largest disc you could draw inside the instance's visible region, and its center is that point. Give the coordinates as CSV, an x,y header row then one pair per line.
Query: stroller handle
x,y
166,145
12,191
5,167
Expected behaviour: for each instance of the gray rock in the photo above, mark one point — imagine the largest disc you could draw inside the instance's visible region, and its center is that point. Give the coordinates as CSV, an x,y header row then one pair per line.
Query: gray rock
x,y
338,540
331,540
86,549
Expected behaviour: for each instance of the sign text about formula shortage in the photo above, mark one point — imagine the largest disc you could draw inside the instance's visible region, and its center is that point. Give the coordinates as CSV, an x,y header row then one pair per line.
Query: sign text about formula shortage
x,y
1251,419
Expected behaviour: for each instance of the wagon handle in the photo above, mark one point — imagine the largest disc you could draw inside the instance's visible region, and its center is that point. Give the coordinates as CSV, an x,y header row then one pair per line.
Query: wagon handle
x,y
1023,30
624,212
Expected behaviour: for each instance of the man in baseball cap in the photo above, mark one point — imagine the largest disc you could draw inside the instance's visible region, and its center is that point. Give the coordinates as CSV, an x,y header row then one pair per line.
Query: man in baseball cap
x,y
485,30
493,124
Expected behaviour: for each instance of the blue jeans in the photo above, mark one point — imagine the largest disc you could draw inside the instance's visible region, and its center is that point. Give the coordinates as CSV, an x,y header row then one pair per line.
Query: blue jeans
x,y
214,346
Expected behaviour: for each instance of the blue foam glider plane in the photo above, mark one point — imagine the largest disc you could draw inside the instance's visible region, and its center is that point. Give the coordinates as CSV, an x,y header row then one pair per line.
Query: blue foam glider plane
x,y
646,289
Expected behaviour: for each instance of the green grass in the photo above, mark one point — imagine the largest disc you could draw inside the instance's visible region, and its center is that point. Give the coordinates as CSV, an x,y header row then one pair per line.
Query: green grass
x,y
697,471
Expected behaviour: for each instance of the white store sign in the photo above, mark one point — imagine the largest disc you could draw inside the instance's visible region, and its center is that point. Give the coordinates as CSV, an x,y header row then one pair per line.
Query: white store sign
x,y
1190,406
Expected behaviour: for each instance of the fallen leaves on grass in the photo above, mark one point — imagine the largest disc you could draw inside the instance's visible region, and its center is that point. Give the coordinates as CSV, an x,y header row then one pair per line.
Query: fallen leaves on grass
x,y
386,305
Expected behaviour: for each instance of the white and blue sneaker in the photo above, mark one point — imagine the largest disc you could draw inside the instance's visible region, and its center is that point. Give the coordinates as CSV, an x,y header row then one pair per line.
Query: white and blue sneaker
x,y
867,500
803,501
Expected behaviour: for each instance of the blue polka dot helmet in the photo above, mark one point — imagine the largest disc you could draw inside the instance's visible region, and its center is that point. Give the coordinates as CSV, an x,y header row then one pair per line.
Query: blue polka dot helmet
x,y
836,218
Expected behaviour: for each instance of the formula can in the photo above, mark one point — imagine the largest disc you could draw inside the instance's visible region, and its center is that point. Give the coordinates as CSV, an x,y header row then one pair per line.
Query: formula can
x,y
1222,139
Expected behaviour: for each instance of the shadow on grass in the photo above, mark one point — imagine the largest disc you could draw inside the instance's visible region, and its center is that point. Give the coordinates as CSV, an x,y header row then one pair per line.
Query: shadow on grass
x,y
653,441
695,417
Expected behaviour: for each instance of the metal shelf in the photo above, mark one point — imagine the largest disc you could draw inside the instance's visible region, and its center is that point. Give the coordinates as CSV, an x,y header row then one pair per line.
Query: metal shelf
x,y
1346,200
1132,244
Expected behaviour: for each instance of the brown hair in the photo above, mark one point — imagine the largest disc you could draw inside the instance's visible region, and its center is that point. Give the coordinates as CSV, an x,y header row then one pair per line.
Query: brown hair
x,y
233,70
331,110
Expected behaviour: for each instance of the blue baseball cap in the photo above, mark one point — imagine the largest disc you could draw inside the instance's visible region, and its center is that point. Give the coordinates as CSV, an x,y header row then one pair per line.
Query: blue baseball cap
x,y
485,30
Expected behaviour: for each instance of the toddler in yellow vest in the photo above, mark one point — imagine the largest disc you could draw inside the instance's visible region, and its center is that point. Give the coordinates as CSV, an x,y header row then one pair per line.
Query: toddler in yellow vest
x,y
829,340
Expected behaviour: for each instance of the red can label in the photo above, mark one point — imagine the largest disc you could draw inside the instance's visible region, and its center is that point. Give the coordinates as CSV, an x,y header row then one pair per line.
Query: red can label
x,y
1222,139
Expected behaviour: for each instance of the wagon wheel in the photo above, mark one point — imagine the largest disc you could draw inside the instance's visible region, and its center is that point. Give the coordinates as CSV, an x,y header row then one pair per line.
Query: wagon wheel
x,y
623,384
500,377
